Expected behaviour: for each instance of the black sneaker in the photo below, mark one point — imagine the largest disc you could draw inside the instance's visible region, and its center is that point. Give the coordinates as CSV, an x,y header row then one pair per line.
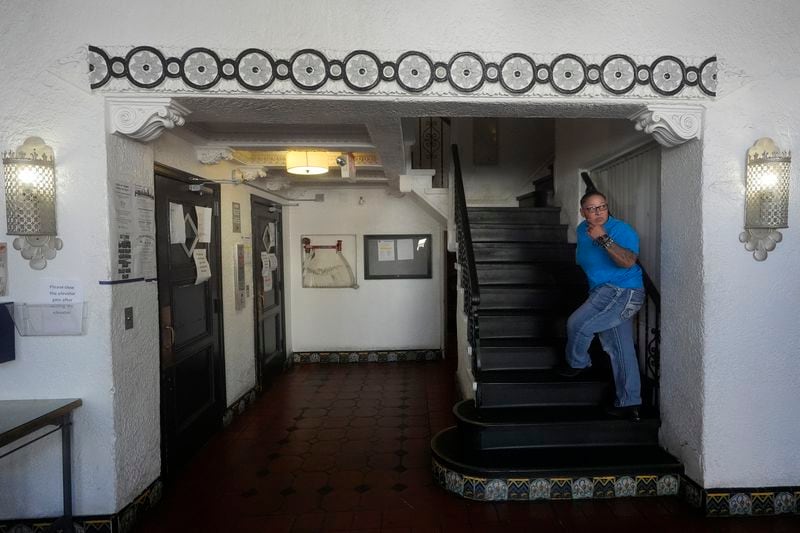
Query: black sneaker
x,y
566,371
630,412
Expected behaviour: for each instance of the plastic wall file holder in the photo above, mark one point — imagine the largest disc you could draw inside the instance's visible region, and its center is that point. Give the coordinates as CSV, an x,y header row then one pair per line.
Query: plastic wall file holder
x,y
7,352
50,319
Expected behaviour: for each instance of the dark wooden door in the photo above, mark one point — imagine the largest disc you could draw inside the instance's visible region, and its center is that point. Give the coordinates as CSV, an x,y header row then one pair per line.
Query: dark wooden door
x,y
268,302
192,365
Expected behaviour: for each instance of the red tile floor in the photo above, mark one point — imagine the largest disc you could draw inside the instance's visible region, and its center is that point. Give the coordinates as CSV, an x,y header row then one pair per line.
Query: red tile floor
x,y
346,448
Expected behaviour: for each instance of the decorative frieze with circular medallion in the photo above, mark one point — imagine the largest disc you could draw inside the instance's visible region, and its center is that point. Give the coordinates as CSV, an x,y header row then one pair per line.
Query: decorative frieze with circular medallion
x,y
202,69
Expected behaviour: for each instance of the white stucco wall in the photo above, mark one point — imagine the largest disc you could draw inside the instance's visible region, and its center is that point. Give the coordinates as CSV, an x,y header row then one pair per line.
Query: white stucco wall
x,y
682,376
134,352
751,359
749,349
40,99
379,314
523,147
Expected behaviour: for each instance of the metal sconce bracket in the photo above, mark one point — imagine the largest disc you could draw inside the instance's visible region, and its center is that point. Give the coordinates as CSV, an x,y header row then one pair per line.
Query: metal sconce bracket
x,y
30,184
766,197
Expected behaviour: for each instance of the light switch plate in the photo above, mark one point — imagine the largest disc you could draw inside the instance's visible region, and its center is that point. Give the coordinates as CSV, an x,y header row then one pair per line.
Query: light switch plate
x,y
129,318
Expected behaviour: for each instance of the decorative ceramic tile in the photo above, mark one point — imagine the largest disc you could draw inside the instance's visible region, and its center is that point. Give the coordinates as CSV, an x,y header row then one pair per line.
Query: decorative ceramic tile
x,y
203,69
693,494
668,486
496,490
455,482
604,487
473,488
539,489
717,504
646,485
763,503
582,488
366,356
624,487
784,502
740,503
560,488
518,489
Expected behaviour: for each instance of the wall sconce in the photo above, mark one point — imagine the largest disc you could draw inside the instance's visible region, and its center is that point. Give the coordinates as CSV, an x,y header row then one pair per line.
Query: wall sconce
x,y
30,183
306,163
766,197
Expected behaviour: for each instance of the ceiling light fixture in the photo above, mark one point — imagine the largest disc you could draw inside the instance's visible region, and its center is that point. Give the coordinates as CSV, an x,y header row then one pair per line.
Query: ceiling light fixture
x,y
306,163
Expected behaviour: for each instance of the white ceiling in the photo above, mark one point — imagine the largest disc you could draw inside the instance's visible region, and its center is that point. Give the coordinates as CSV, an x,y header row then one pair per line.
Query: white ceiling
x,y
357,124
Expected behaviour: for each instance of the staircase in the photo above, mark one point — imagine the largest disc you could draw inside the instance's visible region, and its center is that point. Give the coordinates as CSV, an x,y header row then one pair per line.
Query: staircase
x,y
529,433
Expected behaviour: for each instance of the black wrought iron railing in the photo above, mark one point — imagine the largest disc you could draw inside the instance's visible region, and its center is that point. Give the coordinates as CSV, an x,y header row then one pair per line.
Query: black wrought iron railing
x,y
646,327
466,262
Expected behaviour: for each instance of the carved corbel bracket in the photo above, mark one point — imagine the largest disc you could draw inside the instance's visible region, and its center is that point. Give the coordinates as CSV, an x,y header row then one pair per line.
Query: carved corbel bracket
x,y
143,119
211,155
247,173
670,125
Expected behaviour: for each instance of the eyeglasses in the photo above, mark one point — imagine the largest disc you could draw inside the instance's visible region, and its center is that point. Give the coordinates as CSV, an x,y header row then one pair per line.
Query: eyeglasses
x,y
602,208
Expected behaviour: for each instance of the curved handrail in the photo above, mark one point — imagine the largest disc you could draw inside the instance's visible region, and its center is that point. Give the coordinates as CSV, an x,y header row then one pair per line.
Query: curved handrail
x,y
466,261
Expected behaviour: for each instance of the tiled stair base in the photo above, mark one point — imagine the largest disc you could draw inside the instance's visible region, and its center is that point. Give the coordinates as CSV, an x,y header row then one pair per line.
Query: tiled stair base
x,y
369,356
712,503
556,488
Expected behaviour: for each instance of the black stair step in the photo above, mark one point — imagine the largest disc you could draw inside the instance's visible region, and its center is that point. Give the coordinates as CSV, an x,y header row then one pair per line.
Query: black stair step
x,y
529,353
521,323
523,296
538,427
542,388
518,233
492,252
559,462
514,215
553,273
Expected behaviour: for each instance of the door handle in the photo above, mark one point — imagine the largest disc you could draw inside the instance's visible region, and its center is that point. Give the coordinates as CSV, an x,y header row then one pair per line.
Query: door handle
x,y
171,334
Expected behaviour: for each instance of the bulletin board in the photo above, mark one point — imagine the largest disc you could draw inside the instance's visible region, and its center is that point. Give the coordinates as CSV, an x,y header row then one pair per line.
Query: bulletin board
x,y
397,256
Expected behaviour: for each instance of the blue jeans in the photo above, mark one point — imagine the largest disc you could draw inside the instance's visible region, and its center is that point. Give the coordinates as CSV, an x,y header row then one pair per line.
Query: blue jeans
x,y
608,312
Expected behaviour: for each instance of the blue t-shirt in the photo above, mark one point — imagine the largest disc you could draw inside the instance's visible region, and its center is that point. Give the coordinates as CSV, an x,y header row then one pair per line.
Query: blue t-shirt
x,y
598,265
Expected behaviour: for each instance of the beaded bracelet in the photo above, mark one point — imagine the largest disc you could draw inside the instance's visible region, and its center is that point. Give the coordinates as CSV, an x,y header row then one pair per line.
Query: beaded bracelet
x,y
605,241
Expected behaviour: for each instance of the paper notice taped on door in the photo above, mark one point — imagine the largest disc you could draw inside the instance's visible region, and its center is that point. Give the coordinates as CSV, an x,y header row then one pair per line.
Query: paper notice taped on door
x,y
203,223
201,263
177,225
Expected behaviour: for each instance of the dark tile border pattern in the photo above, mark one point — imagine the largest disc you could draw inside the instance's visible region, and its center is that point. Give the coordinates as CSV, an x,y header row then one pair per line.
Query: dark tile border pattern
x,y
253,69
555,488
238,407
754,501
124,521
370,356
762,501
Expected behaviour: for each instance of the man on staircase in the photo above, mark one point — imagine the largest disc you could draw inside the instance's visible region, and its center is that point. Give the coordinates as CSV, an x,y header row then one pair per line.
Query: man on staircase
x,y
606,251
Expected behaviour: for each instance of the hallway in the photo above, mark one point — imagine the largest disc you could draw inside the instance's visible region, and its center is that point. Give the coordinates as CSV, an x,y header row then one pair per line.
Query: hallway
x,y
346,447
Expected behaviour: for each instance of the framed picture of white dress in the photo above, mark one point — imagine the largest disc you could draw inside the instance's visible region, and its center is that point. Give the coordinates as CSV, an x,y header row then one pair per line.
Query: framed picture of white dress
x,y
329,261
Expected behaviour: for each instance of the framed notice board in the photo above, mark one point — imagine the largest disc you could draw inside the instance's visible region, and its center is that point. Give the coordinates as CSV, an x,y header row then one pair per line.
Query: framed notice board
x,y
397,256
